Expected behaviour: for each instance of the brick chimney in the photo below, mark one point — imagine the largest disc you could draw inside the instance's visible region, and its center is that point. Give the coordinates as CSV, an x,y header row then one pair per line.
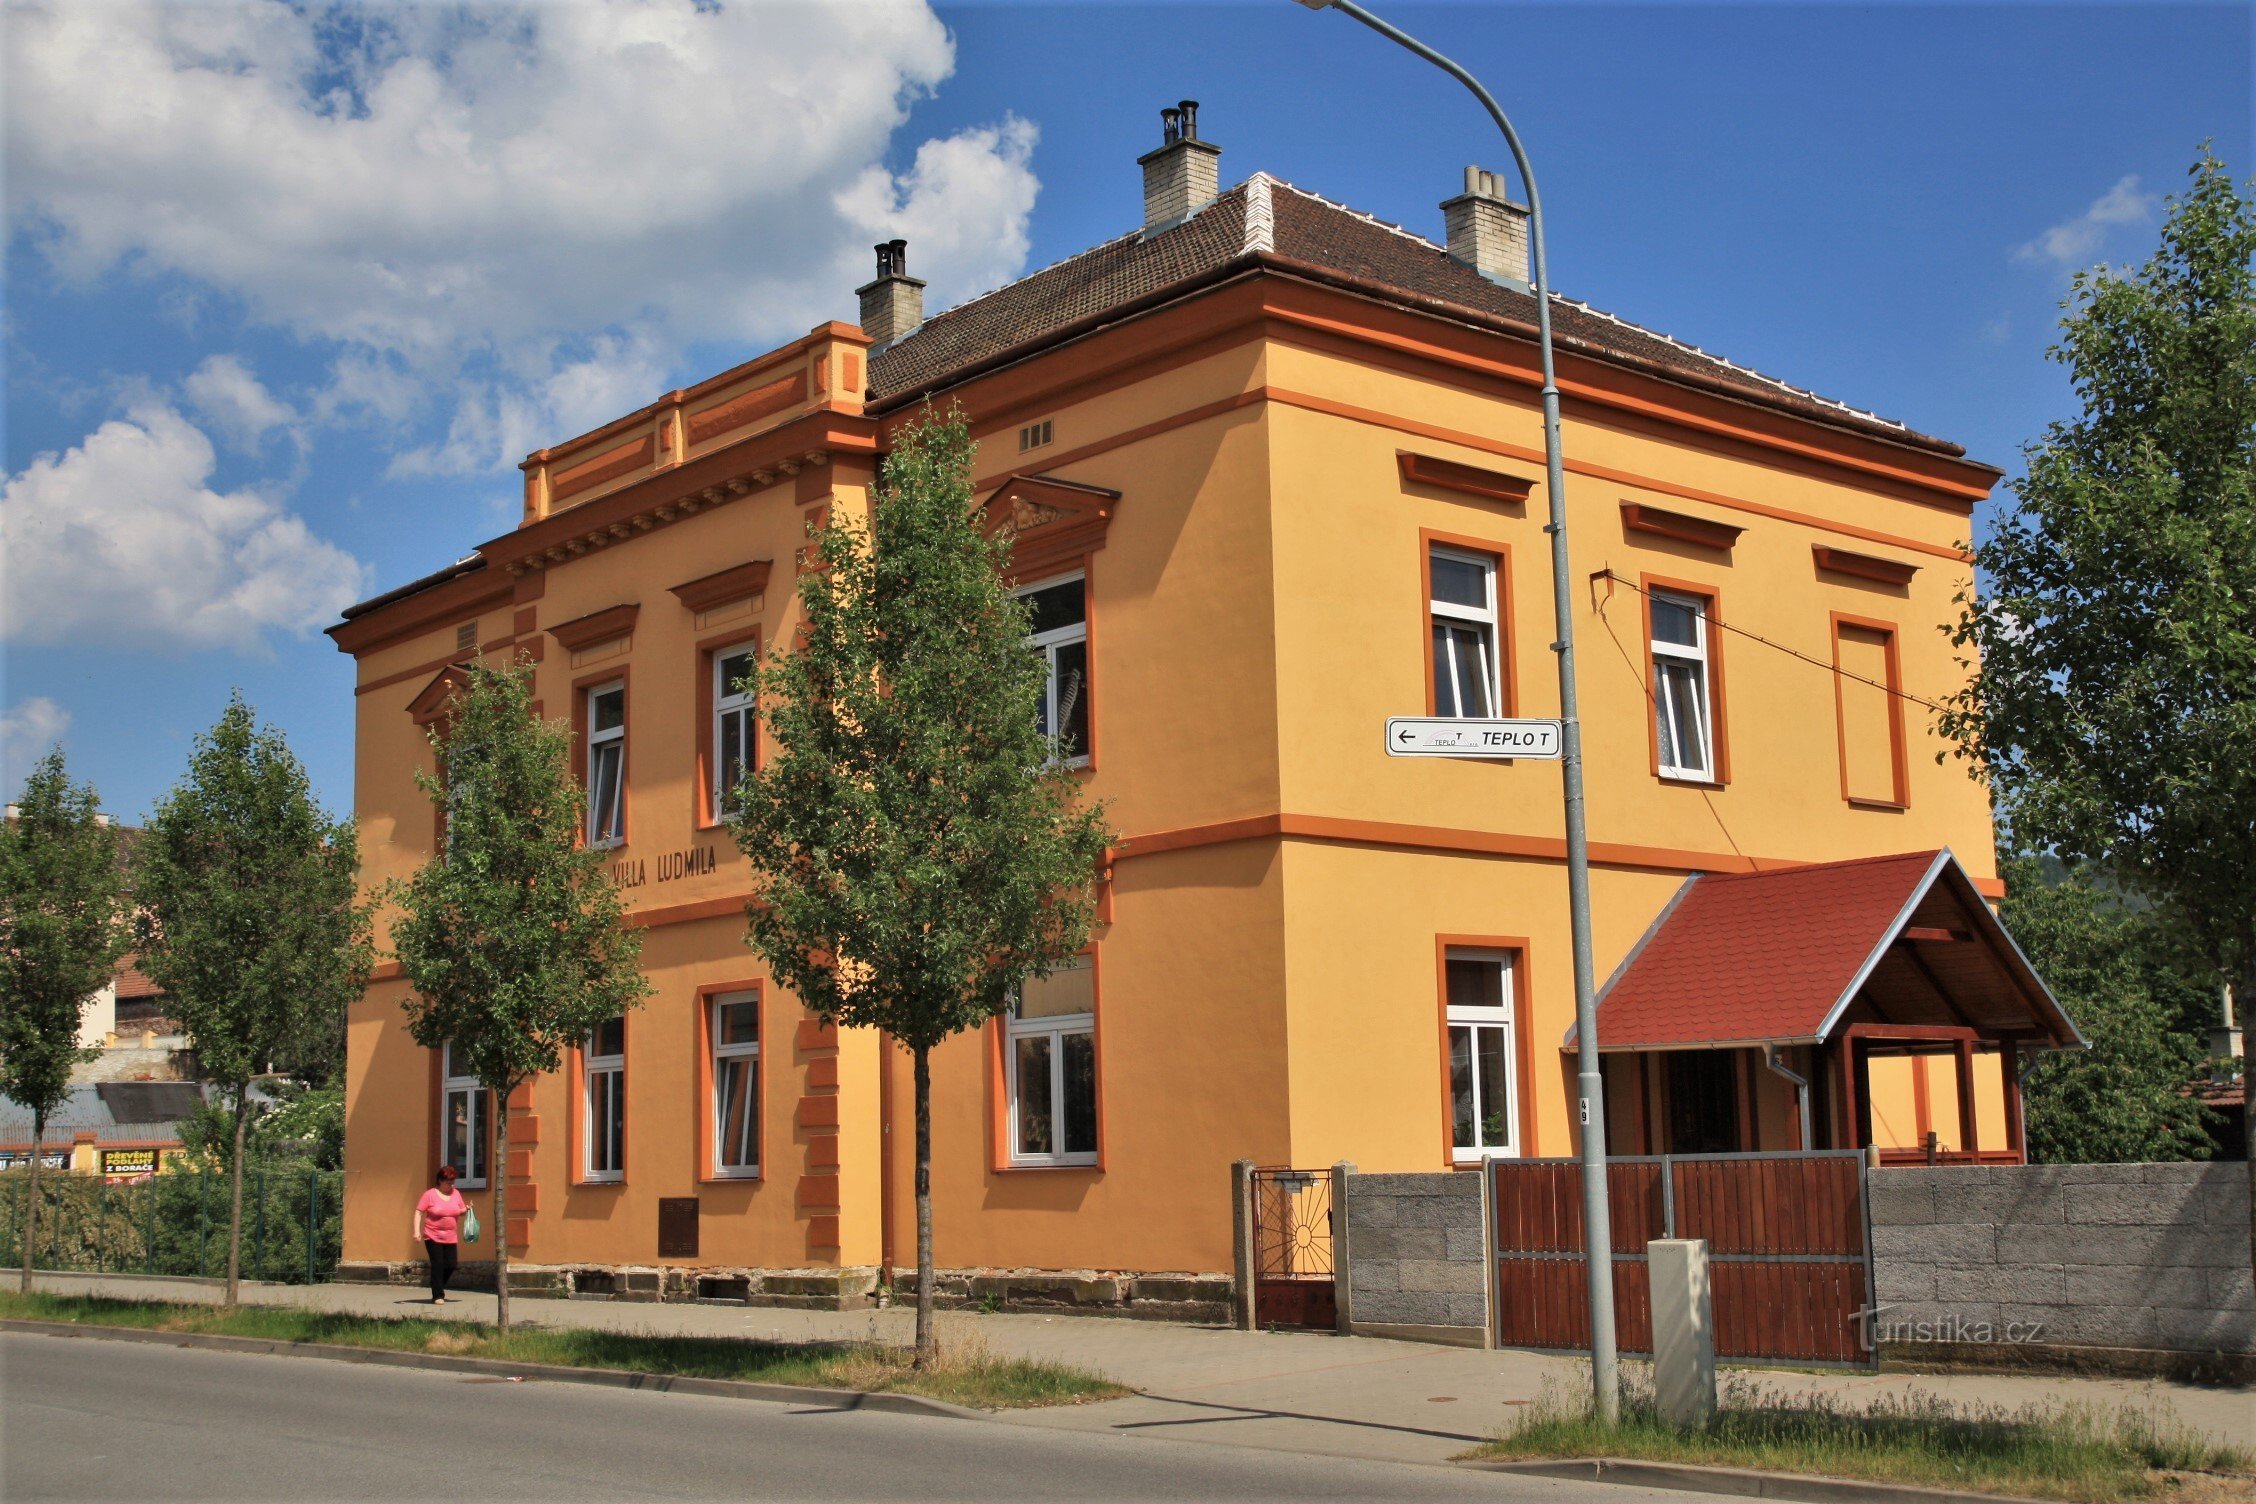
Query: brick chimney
x,y
1487,231
893,304
1181,177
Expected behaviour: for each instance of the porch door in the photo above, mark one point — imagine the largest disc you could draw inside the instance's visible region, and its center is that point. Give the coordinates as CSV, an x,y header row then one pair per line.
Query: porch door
x,y
1703,1102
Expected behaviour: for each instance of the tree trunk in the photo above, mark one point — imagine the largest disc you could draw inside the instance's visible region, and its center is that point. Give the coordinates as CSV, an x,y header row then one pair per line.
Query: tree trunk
x,y
235,1201
927,1339
31,1196
497,1165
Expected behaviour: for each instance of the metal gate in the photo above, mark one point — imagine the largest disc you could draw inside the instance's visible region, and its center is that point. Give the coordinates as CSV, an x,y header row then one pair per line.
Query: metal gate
x,y
1292,1249
1789,1250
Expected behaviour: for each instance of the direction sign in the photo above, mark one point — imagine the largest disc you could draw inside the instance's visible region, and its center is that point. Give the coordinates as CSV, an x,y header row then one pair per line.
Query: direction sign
x,y
1454,736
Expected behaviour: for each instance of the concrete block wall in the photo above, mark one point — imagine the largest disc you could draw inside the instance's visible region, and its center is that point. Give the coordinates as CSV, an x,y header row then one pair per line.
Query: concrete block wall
x,y
1416,1262
2149,1257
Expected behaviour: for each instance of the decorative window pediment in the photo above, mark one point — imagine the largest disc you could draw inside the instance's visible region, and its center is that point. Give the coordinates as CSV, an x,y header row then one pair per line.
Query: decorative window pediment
x,y
1051,522
430,703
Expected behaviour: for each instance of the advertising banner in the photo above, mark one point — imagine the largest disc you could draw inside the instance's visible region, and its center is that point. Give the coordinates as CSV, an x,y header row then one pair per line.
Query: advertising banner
x,y
128,1164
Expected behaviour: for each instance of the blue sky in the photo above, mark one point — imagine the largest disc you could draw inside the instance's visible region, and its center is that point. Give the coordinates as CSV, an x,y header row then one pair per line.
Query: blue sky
x,y
290,289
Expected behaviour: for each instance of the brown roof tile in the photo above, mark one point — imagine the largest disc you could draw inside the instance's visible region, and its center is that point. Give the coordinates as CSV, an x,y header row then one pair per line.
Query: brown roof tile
x,y
1263,220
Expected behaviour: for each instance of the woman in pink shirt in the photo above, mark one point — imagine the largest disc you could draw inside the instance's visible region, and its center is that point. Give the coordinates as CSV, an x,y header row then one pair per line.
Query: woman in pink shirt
x,y
438,1222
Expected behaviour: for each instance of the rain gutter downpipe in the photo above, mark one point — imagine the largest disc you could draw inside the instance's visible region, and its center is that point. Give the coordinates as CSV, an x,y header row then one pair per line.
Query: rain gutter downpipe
x,y
1598,1241
1801,1088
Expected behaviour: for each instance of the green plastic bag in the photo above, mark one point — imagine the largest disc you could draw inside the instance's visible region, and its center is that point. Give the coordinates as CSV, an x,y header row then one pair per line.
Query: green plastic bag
x,y
470,1227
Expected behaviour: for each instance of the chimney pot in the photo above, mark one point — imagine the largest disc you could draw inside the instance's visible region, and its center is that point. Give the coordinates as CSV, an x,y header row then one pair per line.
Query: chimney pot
x,y
892,304
1487,231
1183,174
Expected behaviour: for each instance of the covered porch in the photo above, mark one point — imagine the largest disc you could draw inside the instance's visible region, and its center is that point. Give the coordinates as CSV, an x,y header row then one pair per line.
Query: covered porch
x,y
1875,1003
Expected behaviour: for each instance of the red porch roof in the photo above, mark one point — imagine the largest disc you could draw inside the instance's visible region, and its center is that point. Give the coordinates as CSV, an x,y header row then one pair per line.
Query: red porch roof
x,y
1788,956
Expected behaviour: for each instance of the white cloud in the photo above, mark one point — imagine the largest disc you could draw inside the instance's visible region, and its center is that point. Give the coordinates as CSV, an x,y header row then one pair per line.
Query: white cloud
x,y
499,198
122,540
27,730
232,400
2072,242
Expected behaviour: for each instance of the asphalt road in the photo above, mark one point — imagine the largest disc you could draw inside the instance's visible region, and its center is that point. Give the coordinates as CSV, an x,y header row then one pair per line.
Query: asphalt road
x,y
89,1419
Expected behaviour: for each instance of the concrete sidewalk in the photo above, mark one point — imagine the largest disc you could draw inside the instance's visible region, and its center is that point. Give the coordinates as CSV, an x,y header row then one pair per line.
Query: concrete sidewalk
x,y
1288,1391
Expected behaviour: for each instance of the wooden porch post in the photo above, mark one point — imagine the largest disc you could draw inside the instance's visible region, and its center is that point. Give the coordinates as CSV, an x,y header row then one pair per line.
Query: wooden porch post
x,y
1966,1097
2009,1060
1851,1129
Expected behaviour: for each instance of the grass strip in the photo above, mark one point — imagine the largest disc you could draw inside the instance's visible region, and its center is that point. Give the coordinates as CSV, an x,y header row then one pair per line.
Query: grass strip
x,y
968,1374
2051,1451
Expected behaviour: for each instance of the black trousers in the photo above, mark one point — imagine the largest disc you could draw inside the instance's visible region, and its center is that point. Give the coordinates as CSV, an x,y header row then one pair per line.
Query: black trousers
x,y
442,1256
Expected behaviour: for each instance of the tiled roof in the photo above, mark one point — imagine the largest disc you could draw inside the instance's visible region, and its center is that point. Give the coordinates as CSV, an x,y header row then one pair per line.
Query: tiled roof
x,y
1265,220
133,982
1776,956
1760,955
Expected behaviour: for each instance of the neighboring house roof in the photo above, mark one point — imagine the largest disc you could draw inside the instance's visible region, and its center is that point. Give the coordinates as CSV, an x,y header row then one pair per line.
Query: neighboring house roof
x,y
1784,956
109,1110
133,982
1265,220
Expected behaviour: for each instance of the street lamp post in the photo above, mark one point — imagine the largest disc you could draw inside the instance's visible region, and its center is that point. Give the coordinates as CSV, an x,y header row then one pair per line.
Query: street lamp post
x,y
1597,1223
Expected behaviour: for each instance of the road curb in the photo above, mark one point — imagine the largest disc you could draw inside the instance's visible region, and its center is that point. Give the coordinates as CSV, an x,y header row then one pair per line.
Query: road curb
x,y
610,1378
1745,1483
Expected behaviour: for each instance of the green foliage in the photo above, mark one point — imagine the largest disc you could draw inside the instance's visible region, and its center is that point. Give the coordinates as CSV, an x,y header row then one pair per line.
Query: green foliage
x,y
176,1223
250,916
920,851
975,1377
2041,1451
302,1129
920,854
2121,972
514,940
62,929
2114,706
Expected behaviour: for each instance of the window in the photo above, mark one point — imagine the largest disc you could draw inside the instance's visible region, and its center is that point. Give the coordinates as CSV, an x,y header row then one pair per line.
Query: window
x,y
1059,613
1034,435
607,764
1461,590
1050,1049
462,1120
1682,712
735,1032
733,716
604,1120
1483,1054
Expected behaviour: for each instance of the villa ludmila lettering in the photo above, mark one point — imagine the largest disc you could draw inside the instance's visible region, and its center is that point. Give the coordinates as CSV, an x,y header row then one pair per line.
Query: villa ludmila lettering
x,y
690,862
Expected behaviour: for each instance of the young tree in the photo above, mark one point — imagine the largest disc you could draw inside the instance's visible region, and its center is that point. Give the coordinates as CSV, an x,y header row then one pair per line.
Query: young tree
x,y
920,851
62,928
2116,968
2114,704
250,919
512,936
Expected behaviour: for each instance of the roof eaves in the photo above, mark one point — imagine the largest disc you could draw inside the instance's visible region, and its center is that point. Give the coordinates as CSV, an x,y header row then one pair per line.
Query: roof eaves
x,y
464,565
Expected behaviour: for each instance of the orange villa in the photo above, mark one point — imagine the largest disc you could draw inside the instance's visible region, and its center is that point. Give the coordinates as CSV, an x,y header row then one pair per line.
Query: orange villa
x,y
1275,473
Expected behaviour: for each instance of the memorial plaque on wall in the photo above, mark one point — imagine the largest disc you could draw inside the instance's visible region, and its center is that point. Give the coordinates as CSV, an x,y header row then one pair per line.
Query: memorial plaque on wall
x,y
677,1227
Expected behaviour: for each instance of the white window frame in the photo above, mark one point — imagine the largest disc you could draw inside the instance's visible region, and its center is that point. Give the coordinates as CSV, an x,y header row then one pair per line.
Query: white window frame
x,y
452,1086
729,702
1504,1020
1664,691
1485,619
598,1073
720,1168
1057,1028
597,742
1047,643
